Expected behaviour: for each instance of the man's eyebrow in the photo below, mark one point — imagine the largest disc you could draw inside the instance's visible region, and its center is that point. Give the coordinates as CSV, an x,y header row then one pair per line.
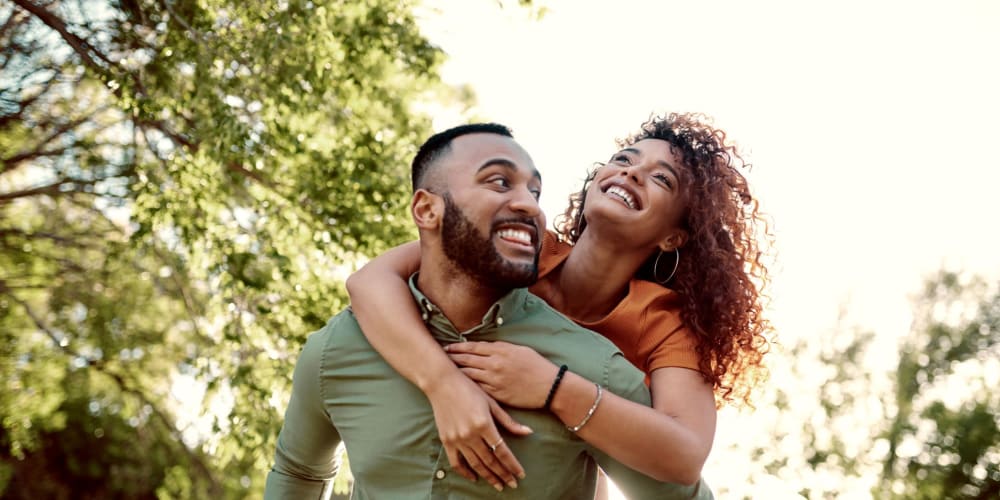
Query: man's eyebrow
x,y
507,164
662,163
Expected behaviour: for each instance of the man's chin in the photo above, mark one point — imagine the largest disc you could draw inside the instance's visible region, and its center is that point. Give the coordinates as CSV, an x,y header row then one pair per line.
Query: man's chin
x,y
517,276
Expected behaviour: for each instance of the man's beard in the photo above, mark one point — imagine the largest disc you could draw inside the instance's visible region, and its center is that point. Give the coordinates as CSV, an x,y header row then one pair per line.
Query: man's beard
x,y
477,257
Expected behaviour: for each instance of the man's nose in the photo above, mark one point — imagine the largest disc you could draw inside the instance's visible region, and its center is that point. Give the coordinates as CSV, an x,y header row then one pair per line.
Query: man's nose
x,y
524,202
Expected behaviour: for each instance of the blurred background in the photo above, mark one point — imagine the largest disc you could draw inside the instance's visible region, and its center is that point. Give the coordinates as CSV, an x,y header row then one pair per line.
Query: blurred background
x,y
184,187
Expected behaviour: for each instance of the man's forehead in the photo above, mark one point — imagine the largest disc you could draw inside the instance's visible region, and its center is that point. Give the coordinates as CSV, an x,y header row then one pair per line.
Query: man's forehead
x,y
481,141
474,150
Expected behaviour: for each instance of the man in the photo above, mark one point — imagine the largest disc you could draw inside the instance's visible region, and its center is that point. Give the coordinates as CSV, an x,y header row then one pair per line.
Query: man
x,y
476,207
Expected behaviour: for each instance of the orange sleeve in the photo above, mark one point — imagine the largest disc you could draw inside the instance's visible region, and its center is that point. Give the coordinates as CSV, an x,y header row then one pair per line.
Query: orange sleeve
x,y
669,345
665,340
552,253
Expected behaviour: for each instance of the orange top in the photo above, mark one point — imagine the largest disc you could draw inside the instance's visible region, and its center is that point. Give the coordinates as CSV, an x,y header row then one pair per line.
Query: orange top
x,y
646,325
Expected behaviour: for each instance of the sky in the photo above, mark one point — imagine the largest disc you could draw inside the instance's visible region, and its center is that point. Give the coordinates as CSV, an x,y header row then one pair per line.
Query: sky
x,y
871,126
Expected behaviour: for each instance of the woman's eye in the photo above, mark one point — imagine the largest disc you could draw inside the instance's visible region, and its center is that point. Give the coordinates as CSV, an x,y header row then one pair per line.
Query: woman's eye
x,y
664,179
621,159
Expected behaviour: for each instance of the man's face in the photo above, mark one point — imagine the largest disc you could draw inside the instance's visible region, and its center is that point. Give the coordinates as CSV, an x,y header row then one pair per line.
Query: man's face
x,y
492,221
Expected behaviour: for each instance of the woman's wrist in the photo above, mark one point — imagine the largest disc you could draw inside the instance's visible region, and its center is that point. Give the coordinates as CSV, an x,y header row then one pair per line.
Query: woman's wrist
x,y
555,386
435,374
573,398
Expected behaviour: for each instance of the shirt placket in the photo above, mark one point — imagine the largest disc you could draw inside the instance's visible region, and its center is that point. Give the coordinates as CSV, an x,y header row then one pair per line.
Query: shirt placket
x,y
442,476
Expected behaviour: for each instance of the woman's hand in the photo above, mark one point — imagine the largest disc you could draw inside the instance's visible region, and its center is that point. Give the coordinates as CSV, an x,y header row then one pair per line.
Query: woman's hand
x,y
464,415
512,374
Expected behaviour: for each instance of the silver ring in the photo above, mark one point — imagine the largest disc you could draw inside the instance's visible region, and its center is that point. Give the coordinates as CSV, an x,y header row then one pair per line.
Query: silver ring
x,y
493,447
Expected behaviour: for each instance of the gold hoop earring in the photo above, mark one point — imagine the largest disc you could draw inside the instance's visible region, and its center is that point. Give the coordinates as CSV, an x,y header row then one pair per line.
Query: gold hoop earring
x,y
656,266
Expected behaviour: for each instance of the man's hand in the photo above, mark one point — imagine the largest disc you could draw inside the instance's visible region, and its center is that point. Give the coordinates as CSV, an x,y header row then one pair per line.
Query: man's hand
x,y
465,420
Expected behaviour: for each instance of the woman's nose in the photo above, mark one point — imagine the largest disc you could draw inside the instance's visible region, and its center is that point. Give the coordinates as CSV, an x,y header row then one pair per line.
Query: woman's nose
x,y
633,172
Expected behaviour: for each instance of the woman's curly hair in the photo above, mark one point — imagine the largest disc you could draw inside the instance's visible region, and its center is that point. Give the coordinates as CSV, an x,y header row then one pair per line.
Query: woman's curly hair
x,y
721,276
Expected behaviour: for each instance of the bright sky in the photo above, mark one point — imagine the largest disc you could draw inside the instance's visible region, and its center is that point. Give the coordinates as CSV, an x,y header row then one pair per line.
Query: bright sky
x,y
871,125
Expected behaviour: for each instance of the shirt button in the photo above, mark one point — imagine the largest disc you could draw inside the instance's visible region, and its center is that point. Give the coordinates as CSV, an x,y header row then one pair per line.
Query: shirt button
x,y
439,474
499,321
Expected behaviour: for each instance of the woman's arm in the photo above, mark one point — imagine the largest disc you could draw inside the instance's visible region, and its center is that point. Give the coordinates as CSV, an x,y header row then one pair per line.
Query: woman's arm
x,y
463,412
668,442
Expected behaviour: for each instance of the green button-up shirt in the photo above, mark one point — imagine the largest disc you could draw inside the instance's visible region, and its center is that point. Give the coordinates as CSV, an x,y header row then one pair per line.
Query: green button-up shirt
x,y
344,391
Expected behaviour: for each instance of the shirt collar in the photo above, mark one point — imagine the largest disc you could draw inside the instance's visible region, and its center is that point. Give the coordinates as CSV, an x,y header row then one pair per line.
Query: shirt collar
x,y
509,308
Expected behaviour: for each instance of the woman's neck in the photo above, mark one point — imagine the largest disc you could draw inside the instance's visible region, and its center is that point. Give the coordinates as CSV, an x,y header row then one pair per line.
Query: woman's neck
x,y
593,279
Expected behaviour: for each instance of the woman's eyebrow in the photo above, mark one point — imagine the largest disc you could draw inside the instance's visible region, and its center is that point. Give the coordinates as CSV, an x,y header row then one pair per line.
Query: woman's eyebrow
x,y
662,163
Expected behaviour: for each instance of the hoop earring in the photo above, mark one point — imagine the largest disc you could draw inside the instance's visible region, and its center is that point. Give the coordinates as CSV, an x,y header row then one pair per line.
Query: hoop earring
x,y
656,266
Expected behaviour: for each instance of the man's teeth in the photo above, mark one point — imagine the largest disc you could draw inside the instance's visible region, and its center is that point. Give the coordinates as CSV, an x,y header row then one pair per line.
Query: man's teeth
x,y
623,194
517,235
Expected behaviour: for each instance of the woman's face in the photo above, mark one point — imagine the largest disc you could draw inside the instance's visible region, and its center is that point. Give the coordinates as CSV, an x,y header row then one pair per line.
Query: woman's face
x,y
641,189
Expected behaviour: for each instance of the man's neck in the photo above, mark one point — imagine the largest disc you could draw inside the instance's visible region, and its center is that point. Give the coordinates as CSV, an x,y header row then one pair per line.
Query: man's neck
x,y
461,298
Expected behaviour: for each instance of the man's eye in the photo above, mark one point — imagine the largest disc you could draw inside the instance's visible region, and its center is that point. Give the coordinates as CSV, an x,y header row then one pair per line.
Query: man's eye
x,y
537,193
499,181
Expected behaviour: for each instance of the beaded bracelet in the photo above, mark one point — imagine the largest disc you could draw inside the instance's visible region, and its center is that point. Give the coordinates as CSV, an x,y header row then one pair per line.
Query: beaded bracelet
x,y
590,413
555,385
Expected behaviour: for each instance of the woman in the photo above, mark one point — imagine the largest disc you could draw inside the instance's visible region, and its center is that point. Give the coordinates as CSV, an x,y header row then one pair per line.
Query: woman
x,y
670,209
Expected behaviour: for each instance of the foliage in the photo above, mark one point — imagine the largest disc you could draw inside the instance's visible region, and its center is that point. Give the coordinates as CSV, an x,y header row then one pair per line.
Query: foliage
x,y
923,426
944,435
183,186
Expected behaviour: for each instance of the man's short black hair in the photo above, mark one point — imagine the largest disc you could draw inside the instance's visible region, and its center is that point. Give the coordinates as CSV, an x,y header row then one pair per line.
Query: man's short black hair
x,y
440,143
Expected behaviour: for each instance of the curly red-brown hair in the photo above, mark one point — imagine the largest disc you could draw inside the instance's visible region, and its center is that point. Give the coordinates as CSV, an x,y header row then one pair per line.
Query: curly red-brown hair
x,y
722,274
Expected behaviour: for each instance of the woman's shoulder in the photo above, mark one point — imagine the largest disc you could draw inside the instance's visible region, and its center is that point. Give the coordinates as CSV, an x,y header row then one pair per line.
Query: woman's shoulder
x,y
648,294
665,340
553,253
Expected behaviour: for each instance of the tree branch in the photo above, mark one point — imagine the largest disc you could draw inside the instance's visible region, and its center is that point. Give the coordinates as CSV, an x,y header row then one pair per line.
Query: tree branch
x,y
83,48
37,320
69,240
54,189
11,163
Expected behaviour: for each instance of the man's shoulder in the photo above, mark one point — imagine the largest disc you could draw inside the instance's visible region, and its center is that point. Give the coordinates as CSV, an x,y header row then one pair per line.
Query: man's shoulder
x,y
575,343
559,322
343,319
341,326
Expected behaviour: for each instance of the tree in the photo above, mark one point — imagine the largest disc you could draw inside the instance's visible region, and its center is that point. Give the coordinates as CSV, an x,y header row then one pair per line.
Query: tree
x,y
944,435
183,187
923,426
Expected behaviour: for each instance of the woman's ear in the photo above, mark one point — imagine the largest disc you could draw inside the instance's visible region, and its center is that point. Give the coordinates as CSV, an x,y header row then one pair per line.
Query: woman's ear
x,y
675,240
427,209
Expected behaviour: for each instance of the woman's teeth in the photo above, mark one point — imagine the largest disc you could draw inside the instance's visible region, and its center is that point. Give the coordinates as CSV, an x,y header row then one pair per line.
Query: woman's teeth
x,y
621,193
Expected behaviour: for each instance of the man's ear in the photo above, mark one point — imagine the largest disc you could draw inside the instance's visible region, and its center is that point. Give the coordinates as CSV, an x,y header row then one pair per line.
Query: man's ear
x,y
676,239
427,209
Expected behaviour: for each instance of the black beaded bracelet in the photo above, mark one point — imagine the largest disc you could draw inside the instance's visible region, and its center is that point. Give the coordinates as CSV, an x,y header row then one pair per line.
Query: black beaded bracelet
x,y
555,385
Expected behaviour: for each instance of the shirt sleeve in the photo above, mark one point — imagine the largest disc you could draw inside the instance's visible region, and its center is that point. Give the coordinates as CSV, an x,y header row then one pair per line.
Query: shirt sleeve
x,y
306,459
626,381
666,341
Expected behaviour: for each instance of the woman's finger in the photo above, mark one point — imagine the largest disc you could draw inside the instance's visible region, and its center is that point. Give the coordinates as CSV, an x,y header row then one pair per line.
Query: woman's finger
x,y
458,464
481,377
470,360
508,422
482,460
470,347
510,468
489,451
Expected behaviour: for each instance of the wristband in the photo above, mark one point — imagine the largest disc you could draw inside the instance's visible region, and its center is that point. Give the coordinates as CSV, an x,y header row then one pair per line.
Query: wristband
x,y
555,385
